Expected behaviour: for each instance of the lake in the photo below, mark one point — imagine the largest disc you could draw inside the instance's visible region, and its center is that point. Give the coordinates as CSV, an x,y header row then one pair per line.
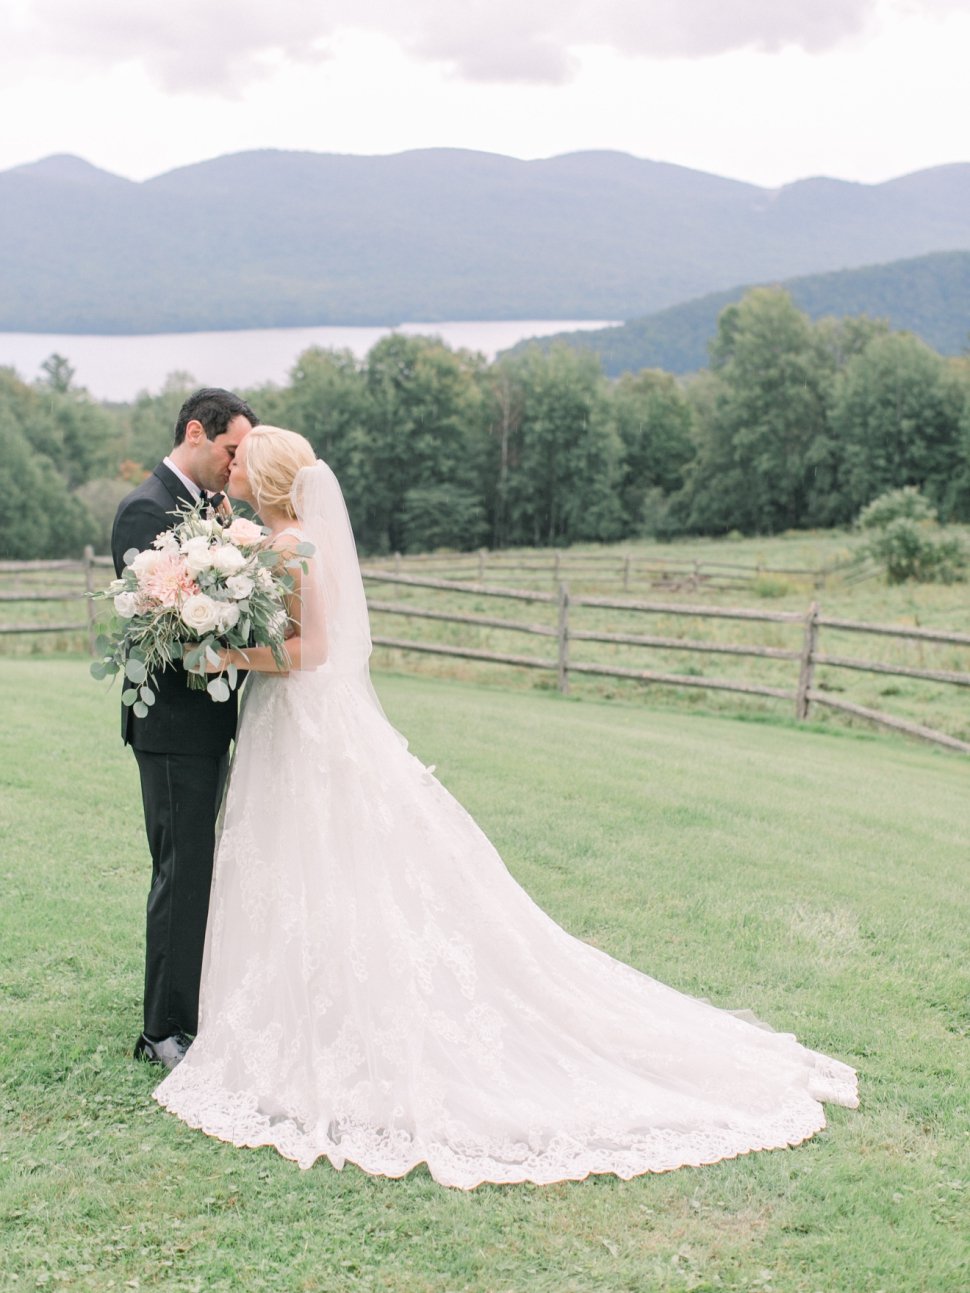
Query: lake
x,y
118,368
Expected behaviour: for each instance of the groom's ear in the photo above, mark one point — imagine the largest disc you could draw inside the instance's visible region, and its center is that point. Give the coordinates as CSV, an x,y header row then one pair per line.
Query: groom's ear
x,y
194,432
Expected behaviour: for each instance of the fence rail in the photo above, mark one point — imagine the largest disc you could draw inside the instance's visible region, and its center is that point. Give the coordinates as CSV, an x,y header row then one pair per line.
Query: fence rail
x,y
802,694
628,568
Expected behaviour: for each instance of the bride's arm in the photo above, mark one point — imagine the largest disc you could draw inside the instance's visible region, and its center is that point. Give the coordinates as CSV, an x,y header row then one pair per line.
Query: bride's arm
x,y
261,659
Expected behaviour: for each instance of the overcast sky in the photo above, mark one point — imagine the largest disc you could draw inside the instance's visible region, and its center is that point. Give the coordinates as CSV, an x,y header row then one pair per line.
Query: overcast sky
x,y
762,90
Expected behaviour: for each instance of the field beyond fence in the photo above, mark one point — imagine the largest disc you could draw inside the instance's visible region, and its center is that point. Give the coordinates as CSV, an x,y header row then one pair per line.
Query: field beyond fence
x,y
595,621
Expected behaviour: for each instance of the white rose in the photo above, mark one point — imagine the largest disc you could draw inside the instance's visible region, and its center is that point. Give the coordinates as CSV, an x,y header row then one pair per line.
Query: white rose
x,y
227,559
126,605
200,613
243,531
264,579
228,616
197,554
165,542
146,562
239,586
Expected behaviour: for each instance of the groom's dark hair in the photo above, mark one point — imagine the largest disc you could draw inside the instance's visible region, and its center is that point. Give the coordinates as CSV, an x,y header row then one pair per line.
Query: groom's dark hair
x,y
215,409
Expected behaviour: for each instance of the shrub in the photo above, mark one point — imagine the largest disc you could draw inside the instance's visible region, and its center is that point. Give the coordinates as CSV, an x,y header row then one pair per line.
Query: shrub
x,y
906,503
910,550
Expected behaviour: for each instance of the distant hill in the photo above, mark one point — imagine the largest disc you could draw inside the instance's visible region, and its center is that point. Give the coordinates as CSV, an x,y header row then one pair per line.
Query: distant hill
x,y
270,238
929,296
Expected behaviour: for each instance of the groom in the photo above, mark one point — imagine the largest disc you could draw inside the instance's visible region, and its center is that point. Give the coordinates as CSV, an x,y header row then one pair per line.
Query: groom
x,y
182,744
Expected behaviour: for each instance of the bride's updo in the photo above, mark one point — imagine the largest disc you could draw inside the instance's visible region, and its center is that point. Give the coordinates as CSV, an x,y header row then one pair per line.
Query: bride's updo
x,y
273,457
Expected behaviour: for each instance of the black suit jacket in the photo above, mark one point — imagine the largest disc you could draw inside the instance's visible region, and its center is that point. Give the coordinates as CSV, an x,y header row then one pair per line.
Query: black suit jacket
x,y
182,721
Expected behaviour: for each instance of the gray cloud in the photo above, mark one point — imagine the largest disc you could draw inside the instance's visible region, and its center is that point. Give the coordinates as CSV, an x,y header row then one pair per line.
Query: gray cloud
x,y
218,45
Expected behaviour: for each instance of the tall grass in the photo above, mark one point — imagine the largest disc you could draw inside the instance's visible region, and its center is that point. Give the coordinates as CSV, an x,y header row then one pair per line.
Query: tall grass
x,y
817,878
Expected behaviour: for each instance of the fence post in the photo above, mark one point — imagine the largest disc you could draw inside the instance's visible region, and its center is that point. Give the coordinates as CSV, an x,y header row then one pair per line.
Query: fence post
x,y
563,639
89,586
557,562
626,573
397,563
806,671
482,554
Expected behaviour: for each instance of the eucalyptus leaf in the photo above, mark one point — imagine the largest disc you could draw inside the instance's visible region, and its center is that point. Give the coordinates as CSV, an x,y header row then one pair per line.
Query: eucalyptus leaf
x,y
218,689
130,555
135,670
147,695
212,656
304,549
99,670
102,645
129,696
140,709
268,557
233,675
175,650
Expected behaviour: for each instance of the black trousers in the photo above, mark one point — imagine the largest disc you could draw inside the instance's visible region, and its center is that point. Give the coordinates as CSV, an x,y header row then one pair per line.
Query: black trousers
x,y
181,794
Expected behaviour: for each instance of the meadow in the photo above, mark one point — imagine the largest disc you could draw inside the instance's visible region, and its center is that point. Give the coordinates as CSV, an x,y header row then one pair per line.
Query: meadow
x,y
816,876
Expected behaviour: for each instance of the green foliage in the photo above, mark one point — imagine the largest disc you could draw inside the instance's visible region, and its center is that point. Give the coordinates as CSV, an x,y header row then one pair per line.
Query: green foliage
x,y
912,550
560,454
907,502
906,539
38,515
101,497
654,420
896,414
762,420
439,516
795,424
426,427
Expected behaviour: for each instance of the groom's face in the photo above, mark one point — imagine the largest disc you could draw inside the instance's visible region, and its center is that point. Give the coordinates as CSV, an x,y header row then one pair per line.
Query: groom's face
x,y
212,459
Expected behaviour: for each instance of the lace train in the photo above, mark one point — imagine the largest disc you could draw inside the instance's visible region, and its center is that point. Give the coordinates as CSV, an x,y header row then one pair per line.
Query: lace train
x,y
377,989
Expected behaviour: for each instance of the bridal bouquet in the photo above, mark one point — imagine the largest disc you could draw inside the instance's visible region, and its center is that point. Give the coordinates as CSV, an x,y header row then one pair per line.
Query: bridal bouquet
x,y
197,588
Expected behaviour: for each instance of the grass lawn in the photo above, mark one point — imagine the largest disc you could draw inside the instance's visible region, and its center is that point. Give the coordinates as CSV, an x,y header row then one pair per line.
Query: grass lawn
x,y
818,877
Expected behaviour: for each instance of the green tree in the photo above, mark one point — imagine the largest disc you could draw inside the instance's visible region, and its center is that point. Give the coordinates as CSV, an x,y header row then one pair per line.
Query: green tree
x,y
561,455
763,428
79,436
149,422
58,373
426,428
654,420
327,400
38,515
897,412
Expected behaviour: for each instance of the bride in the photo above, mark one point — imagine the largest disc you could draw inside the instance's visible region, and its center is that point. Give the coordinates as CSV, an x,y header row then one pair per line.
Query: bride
x,y
377,989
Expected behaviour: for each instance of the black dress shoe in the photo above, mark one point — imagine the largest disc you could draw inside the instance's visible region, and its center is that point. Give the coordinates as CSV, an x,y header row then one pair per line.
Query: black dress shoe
x,y
168,1052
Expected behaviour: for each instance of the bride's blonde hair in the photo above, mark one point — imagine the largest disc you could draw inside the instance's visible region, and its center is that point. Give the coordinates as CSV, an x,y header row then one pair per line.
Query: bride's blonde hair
x,y
273,457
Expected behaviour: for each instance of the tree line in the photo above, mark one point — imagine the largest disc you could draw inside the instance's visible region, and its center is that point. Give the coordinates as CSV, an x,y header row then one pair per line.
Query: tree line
x,y
794,424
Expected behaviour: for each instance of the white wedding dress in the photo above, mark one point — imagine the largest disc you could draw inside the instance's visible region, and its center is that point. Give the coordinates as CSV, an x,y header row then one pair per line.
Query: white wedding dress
x,y
377,989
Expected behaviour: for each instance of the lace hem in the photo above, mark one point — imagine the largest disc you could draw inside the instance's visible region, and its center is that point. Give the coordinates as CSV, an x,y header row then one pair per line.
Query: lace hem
x,y
237,1119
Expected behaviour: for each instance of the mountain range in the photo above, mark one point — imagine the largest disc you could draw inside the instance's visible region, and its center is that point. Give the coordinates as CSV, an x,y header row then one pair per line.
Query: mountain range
x,y
271,238
929,296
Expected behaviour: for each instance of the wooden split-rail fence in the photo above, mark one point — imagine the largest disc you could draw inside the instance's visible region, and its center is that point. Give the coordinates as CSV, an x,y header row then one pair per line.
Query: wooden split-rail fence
x,y
563,635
